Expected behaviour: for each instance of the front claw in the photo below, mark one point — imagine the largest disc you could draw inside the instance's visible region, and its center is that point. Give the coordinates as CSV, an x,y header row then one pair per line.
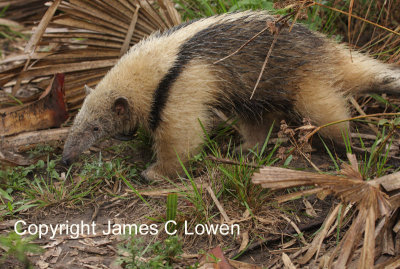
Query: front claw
x,y
151,174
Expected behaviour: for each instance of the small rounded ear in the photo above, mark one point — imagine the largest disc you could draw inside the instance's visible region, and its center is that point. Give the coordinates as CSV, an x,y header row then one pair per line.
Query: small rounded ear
x,y
121,106
88,90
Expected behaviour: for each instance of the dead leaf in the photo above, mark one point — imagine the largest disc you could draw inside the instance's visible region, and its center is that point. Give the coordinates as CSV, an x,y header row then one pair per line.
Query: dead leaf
x,y
215,259
245,241
30,47
287,262
371,203
390,182
309,208
91,250
24,11
49,111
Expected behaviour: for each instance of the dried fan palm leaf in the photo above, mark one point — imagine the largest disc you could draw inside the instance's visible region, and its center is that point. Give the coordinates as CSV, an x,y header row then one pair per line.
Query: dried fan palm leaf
x,y
83,40
371,203
24,11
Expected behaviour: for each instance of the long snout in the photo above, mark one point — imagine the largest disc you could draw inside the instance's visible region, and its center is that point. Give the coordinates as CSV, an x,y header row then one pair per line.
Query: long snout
x,y
67,159
75,144
70,152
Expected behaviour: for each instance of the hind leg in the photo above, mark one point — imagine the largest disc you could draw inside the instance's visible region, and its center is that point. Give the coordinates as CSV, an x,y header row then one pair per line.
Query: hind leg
x,y
323,104
254,133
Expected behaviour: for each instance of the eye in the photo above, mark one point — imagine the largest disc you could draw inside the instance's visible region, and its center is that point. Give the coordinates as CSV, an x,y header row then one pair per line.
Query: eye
x,y
95,129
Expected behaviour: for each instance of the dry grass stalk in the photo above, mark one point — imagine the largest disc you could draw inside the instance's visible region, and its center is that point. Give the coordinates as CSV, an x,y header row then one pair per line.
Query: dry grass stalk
x,y
84,42
358,17
218,204
309,135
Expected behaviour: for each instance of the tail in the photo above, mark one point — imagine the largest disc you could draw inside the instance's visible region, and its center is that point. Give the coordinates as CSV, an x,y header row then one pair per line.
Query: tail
x,y
388,81
363,74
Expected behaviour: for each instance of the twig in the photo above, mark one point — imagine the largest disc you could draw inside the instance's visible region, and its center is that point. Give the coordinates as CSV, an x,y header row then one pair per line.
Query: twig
x,y
242,46
275,237
266,59
296,16
359,109
218,204
361,150
129,34
298,231
95,212
363,136
349,119
227,161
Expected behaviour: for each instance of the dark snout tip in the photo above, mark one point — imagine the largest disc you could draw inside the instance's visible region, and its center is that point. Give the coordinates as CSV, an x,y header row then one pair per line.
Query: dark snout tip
x,y
66,161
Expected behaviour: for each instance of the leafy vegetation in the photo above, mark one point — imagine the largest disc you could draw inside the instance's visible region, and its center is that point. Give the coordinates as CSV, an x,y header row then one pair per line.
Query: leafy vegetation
x,y
152,255
17,247
192,9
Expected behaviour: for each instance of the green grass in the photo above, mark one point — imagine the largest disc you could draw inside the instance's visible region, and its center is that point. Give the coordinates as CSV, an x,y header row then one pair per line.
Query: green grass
x,y
192,9
44,184
137,254
374,162
7,32
228,182
17,247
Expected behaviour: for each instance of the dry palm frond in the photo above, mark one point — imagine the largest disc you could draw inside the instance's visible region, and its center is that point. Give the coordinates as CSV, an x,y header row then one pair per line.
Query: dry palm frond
x,y
84,41
366,196
23,11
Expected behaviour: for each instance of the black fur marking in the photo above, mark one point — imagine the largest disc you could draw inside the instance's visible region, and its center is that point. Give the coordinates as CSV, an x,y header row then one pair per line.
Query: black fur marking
x,y
161,94
238,74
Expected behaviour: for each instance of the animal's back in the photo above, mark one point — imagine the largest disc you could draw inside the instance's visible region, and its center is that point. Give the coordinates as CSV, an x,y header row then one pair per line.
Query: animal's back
x,y
305,69
208,40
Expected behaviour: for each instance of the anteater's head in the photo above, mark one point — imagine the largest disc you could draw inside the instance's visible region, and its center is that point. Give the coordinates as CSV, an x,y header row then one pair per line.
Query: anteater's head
x,y
104,113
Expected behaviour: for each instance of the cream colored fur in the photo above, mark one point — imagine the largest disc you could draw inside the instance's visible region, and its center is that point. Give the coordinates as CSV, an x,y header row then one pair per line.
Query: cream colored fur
x,y
182,136
136,77
321,94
